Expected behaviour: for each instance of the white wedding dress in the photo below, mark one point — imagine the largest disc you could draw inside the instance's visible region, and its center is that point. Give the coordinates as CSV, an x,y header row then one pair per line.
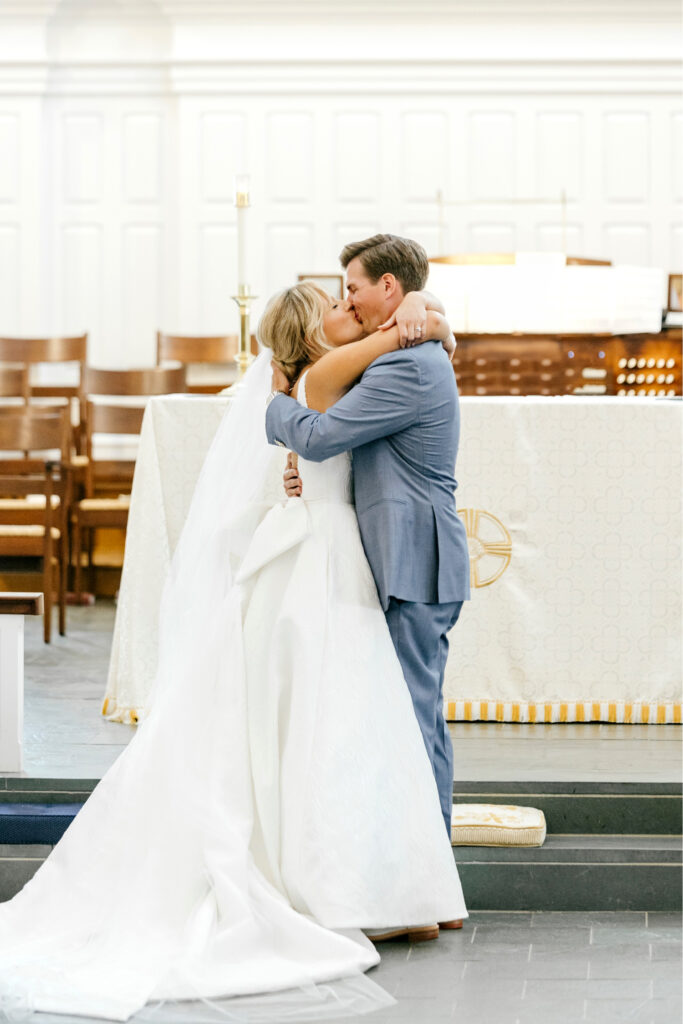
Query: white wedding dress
x,y
277,799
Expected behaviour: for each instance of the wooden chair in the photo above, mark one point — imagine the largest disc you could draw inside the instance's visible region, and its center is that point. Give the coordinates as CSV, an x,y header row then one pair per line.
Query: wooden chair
x,y
200,350
15,382
108,482
34,351
35,495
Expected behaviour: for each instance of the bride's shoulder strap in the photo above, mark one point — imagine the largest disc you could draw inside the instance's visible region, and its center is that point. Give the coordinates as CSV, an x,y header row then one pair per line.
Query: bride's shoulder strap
x,y
301,389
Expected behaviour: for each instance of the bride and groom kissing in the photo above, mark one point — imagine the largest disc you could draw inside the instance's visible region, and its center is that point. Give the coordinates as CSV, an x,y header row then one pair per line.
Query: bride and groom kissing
x,y
277,807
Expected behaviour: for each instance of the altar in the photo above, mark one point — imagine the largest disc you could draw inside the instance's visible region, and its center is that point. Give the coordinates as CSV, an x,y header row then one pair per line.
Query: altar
x,y
573,512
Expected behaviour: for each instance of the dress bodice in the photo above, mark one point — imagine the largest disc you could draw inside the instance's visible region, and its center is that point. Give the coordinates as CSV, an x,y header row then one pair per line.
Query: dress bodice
x,y
329,480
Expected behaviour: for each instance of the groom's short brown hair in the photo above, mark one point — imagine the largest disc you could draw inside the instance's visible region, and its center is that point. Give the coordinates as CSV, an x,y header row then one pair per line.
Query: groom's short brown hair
x,y
390,254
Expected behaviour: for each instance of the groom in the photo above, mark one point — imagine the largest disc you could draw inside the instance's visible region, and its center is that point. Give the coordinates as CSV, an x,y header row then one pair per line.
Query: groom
x,y
401,421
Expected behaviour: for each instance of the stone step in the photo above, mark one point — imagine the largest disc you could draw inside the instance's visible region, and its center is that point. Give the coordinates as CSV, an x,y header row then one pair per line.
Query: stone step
x,y
575,872
23,790
18,864
603,808
642,808
567,872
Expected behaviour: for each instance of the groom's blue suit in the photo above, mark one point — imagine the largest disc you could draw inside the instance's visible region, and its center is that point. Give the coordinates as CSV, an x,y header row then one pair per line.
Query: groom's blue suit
x,y
402,423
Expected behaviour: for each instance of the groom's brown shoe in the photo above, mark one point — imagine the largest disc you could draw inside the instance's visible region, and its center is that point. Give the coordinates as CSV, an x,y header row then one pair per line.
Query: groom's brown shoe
x,y
448,926
423,933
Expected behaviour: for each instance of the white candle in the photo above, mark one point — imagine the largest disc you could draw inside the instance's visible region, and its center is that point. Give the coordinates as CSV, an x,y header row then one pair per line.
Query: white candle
x,y
242,204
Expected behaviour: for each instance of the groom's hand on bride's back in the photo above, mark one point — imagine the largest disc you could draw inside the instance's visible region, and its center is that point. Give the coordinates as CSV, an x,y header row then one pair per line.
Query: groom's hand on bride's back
x,y
292,481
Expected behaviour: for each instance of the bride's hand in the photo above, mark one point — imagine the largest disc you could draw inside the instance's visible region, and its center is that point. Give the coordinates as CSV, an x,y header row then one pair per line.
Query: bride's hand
x,y
411,320
437,329
293,483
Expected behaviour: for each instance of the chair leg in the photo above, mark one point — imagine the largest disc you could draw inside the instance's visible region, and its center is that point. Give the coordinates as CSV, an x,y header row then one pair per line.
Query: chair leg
x,y
91,564
61,569
47,599
76,548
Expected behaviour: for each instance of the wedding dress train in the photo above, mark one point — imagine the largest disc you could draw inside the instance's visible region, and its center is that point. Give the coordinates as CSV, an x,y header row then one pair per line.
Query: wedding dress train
x,y
277,798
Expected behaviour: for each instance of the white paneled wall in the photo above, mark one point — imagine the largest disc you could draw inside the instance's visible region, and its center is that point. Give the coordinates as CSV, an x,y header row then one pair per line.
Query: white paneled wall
x,y
116,180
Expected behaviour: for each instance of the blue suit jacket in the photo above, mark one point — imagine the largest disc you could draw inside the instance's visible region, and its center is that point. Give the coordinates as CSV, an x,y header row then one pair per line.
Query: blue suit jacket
x,y
402,423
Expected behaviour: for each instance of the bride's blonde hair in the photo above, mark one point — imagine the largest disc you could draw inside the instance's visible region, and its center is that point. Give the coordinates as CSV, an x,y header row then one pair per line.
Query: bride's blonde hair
x,y
292,327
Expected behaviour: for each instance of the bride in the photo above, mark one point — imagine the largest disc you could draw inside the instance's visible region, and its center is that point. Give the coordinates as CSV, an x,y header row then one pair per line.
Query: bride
x,y
278,797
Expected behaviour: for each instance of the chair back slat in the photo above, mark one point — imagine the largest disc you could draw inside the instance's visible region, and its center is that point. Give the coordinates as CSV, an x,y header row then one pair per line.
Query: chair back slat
x,y
44,350
195,349
15,382
31,428
114,419
155,380
26,467
200,348
27,476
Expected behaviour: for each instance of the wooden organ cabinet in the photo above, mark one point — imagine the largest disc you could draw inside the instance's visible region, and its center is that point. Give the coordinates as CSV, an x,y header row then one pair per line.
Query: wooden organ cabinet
x,y
556,364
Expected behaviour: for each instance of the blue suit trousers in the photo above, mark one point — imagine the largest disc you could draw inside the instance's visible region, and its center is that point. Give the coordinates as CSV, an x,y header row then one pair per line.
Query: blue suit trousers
x,y
419,633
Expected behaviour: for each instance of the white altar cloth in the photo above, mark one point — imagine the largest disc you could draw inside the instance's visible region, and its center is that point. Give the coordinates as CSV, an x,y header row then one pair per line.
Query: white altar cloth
x,y
573,508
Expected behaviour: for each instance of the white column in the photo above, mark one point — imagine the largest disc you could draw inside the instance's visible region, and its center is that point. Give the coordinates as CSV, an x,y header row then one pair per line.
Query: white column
x,y
11,692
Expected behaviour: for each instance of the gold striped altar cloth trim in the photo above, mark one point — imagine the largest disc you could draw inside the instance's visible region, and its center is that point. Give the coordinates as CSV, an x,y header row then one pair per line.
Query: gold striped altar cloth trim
x,y
620,711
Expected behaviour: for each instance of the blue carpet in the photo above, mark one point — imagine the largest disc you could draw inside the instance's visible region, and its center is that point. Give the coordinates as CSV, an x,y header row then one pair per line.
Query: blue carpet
x,y
35,823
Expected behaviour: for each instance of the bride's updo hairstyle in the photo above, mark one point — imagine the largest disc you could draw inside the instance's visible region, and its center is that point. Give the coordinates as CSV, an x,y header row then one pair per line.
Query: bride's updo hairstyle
x,y
292,327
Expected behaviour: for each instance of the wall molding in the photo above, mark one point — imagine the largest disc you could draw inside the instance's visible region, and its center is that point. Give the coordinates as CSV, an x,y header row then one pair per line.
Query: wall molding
x,y
345,78
617,10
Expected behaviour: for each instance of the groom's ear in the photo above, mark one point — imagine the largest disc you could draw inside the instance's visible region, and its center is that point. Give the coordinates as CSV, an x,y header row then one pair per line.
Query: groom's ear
x,y
391,286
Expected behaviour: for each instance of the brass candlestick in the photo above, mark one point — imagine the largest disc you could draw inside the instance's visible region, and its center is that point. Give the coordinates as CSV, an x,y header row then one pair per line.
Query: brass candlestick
x,y
244,356
244,298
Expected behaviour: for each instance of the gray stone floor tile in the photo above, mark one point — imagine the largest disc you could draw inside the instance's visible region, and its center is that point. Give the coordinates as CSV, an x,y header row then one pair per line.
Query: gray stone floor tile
x,y
561,938
623,935
510,937
664,934
486,919
486,1008
394,952
412,1011
494,952
666,951
661,1011
622,988
619,1011
632,950
547,990
549,995
430,981
561,1015
560,967
542,953
445,948
664,919
479,971
588,919
628,967
669,987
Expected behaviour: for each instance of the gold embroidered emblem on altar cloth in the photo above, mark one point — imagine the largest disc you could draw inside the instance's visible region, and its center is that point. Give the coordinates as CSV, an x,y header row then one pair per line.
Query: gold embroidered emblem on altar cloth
x,y
489,545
